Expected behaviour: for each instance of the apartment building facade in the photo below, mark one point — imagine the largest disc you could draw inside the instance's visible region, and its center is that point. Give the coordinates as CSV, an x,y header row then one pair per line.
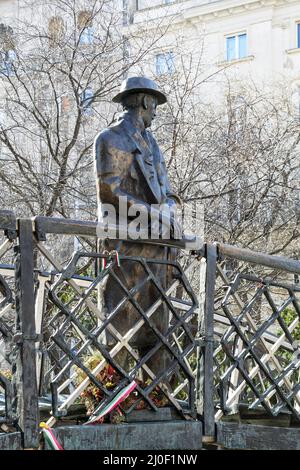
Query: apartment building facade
x,y
250,39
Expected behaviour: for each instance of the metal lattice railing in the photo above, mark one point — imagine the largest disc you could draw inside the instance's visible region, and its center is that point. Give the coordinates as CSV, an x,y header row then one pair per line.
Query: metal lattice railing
x,y
257,355
231,339
7,315
78,327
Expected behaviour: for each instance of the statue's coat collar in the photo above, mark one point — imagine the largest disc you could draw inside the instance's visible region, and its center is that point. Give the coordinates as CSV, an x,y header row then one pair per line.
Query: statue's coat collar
x,y
143,149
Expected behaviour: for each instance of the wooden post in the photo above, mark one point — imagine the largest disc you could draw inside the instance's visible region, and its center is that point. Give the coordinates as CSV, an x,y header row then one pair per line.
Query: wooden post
x,y
200,334
205,379
26,396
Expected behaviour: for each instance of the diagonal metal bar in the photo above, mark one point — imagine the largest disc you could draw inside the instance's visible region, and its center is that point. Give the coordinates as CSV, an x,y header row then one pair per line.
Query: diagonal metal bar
x,y
118,347
262,339
6,245
248,348
153,327
256,369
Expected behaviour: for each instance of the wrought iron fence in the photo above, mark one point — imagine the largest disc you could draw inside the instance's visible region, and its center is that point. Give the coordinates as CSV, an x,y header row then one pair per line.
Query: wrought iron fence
x,y
231,340
77,327
257,313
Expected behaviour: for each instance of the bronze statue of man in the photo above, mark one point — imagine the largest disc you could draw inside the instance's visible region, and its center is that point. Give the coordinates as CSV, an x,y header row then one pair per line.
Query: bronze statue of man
x,y
129,164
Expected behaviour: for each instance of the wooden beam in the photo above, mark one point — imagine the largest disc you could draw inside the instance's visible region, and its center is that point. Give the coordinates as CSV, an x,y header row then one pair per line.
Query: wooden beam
x,y
169,435
10,441
256,437
25,378
86,228
205,372
243,254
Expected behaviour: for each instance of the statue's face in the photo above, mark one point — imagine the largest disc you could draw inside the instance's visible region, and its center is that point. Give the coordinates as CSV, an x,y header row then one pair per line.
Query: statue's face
x,y
149,109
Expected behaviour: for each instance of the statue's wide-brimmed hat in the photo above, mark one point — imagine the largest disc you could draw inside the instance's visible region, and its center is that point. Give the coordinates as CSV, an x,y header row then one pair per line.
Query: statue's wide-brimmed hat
x,y
139,85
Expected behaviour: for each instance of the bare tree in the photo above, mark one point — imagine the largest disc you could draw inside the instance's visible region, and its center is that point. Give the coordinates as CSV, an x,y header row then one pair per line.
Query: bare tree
x,y
57,75
238,157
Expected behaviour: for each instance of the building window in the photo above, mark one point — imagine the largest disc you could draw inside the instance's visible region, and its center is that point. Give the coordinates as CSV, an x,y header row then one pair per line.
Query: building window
x,y
237,115
165,63
295,99
8,59
298,35
85,27
65,104
87,35
86,100
56,30
236,46
7,37
8,54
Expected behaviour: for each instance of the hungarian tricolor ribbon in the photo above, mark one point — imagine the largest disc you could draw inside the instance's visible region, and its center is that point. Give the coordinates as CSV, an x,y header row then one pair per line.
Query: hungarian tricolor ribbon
x,y
118,259
104,263
114,403
50,438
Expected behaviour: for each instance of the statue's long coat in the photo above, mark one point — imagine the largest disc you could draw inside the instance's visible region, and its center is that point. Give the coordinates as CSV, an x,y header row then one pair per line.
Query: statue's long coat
x,y
129,163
